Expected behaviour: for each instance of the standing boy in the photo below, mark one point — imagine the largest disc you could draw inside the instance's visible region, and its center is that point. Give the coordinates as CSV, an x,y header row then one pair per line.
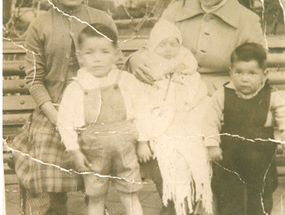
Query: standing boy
x,y
240,133
105,106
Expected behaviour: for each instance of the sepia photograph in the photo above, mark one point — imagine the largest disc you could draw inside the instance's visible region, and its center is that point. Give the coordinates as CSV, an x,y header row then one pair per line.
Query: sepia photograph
x,y
143,107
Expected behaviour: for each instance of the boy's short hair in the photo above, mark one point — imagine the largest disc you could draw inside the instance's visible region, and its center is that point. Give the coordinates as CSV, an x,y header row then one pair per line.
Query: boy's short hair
x,y
98,30
248,52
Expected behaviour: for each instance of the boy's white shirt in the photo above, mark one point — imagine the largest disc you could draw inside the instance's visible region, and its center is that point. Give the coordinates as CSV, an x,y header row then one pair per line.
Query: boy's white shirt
x,y
71,110
276,114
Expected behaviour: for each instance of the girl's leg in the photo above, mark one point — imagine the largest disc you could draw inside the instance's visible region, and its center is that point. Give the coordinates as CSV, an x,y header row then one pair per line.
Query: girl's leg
x,y
96,205
57,204
131,203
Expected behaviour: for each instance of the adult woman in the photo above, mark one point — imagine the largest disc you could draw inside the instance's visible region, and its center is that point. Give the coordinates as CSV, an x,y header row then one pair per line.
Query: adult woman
x,y
51,56
211,30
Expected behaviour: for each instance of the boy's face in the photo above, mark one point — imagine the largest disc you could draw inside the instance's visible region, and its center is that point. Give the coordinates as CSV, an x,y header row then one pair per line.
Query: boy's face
x,y
98,55
168,48
247,76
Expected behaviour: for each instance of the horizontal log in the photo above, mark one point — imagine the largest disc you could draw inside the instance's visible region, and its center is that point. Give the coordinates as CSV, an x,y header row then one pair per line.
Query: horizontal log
x,y
127,44
15,47
15,119
276,77
280,161
14,103
10,132
275,41
127,23
15,86
276,60
16,67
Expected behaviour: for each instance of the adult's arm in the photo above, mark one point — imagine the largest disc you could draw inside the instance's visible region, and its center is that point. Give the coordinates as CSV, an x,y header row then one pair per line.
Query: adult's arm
x,y
35,68
171,11
251,30
36,71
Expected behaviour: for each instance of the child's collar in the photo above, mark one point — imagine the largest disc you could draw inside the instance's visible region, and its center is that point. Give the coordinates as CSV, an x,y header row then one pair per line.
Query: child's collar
x,y
89,81
230,85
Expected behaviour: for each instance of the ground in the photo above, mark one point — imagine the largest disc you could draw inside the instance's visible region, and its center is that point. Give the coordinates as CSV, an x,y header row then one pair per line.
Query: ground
x,y
76,202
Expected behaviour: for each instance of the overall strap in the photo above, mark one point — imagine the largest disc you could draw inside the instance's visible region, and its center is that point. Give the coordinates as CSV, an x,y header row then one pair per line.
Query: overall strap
x,y
91,104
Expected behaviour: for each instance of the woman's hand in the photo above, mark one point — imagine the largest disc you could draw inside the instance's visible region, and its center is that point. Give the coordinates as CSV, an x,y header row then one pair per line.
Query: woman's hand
x,y
80,160
49,110
140,68
215,153
143,151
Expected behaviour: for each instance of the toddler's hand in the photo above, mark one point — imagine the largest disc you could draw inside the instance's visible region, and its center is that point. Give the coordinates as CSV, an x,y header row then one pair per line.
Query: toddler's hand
x,y
80,160
143,152
215,153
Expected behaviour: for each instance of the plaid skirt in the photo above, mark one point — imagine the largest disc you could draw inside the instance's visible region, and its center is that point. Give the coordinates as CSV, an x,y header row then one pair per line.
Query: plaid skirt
x,y
41,158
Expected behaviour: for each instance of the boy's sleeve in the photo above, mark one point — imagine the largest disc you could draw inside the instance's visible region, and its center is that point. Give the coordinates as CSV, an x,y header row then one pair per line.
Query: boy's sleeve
x,y
278,108
141,111
214,118
68,112
139,105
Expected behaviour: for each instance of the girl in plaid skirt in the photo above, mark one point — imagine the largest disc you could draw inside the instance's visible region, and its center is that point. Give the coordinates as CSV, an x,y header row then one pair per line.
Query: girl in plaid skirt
x,y
40,157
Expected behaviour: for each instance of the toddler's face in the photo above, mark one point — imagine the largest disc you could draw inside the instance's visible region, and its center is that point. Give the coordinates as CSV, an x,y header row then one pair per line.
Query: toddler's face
x,y
247,76
168,48
98,55
70,3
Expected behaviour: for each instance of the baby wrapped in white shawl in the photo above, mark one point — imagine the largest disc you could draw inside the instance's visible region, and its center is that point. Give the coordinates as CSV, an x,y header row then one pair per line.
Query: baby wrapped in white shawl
x,y
177,105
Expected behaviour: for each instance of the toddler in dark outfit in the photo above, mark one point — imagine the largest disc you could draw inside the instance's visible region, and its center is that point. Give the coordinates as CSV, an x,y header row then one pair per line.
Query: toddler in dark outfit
x,y
239,135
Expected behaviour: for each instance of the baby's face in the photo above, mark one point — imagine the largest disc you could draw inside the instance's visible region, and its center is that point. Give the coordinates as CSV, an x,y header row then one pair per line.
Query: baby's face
x,y
168,48
247,76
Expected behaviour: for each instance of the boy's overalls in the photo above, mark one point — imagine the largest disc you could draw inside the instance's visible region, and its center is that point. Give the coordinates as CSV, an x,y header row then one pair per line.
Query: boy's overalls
x,y
109,143
240,188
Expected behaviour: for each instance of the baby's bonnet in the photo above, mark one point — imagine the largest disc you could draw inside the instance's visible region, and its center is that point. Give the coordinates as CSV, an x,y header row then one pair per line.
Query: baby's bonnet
x,y
162,30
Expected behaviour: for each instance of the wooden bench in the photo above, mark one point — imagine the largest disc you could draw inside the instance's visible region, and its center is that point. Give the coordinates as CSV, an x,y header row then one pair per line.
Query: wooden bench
x,y
18,103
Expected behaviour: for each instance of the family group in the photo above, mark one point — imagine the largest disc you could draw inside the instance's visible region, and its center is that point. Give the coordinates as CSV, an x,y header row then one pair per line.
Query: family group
x,y
193,111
